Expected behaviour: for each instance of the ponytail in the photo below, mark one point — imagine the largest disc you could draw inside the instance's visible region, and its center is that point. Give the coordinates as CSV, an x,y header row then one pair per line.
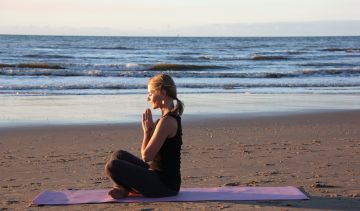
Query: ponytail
x,y
179,107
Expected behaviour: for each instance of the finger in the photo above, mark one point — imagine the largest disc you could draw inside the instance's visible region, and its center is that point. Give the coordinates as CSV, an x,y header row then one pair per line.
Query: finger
x,y
148,114
150,118
145,116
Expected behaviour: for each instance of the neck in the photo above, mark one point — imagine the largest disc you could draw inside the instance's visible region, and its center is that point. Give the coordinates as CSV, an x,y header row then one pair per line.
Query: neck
x,y
167,107
164,112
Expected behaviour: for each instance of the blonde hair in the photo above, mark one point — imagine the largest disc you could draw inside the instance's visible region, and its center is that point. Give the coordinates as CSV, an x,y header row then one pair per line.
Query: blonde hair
x,y
165,82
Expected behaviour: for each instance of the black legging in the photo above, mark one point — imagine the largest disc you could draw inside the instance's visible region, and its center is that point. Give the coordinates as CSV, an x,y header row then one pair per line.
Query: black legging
x,y
131,172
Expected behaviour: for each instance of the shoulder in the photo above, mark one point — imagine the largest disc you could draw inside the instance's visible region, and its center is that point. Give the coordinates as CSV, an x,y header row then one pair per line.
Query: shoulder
x,y
169,121
168,124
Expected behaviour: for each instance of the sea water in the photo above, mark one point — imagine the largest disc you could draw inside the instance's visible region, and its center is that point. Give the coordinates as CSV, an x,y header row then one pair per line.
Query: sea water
x,y
67,72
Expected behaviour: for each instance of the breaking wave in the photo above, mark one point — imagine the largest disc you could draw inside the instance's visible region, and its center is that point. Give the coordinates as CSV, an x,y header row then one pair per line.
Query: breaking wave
x,y
33,65
180,71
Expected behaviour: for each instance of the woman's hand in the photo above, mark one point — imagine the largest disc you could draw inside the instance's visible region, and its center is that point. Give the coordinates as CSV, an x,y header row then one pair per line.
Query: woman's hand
x,y
147,121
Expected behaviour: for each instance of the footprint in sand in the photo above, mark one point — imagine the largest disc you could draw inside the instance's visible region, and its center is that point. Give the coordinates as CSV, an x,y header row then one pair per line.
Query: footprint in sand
x,y
319,184
9,202
232,184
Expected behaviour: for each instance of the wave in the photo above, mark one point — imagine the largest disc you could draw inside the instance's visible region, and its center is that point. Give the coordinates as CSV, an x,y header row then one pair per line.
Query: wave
x,y
292,74
87,47
192,58
136,71
149,67
113,48
6,65
349,50
33,65
48,56
116,67
294,52
108,86
233,58
262,85
325,64
50,72
205,57
261,58
39,65
189,53
96,57
348,72
72,87
180,67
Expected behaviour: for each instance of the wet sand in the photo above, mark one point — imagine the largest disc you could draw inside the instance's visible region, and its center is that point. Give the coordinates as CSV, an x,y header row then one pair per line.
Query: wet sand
x,y
318,152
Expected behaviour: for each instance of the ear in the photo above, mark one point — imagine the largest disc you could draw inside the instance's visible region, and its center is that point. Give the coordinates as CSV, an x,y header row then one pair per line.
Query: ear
x,y
163,93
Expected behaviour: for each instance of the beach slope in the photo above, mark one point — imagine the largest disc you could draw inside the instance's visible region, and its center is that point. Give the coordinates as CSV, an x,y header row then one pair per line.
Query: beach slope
x,y
318,152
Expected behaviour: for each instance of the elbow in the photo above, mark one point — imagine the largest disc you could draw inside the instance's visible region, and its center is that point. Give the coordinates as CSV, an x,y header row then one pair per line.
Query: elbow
x,y
146,157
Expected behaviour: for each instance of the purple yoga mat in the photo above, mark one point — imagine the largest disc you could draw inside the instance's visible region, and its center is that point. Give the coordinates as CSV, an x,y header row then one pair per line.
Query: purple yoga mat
x,y
186,194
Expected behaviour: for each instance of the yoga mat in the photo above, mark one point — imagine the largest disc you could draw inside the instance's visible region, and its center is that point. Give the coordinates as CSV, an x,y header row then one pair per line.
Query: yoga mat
x,y
66,197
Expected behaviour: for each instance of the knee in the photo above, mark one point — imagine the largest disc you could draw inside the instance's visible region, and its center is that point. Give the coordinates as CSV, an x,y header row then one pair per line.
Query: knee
x,y
109,167
118,155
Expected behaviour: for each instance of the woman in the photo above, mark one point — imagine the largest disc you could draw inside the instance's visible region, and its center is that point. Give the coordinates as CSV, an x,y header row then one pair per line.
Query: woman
x,y
160,147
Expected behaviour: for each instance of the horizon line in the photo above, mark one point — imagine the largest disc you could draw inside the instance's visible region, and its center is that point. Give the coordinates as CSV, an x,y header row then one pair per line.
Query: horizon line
x,y
173,36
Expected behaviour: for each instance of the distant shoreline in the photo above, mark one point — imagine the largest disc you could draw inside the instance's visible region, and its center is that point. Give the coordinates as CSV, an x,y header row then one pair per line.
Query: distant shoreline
x,y
23,111
152,36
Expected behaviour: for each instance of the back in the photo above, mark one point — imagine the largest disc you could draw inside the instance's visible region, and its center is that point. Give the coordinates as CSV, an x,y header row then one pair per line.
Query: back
x,y
167,161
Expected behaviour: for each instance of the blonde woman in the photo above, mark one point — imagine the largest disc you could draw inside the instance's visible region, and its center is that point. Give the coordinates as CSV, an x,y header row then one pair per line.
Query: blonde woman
x,y
157,174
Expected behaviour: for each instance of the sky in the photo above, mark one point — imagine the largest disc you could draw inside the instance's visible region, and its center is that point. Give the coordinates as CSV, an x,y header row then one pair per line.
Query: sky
x,y
181,17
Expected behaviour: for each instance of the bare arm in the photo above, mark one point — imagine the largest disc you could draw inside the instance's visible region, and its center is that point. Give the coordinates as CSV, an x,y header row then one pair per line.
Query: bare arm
x,y
166,127
148,128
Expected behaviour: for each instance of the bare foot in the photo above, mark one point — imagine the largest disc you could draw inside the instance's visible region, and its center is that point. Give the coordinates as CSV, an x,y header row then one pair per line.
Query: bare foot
x,y
118,193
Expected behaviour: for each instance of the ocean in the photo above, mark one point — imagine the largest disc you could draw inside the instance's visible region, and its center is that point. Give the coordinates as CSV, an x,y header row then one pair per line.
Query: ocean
x,y
89,65
88,79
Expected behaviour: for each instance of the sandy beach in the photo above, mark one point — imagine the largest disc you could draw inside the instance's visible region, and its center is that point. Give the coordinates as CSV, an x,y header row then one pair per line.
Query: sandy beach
x,y
317,152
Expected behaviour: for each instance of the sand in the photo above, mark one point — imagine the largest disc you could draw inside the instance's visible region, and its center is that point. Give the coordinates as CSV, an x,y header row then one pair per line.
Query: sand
x,y
318,152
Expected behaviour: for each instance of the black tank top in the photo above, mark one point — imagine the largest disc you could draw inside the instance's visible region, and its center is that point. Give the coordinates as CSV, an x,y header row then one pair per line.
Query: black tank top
x,y
167,161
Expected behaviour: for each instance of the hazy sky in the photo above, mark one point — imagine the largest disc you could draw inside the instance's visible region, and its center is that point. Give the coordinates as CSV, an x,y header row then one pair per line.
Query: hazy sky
x,y
180,17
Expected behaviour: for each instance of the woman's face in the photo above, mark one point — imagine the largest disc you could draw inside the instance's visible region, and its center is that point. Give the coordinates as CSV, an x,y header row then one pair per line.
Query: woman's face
x,y
154,97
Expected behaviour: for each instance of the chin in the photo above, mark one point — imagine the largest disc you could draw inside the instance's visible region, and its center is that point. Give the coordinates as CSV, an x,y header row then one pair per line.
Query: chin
x,y
154,106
